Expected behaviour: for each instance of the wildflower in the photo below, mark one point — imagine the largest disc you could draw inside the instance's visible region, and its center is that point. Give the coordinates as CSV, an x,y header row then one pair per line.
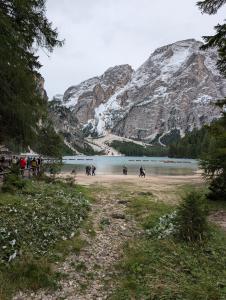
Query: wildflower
x,y
13,242
13,256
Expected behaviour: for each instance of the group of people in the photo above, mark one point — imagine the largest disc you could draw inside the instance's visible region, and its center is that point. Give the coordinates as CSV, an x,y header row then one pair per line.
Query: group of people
x,y
33,164
29,163
90,170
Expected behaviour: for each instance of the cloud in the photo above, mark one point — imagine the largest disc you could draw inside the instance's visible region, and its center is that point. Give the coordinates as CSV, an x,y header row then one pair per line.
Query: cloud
x,y
103,33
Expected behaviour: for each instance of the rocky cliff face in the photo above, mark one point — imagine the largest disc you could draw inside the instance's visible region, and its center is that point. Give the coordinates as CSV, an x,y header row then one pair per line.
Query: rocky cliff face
x,y
174,89
89,95
66,123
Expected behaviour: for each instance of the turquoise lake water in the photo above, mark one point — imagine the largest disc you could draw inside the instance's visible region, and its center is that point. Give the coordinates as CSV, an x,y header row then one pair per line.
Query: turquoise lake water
x,y
114,165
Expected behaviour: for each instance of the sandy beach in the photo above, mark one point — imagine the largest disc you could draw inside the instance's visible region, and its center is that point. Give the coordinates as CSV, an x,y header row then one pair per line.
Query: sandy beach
x,y
136,180
163,187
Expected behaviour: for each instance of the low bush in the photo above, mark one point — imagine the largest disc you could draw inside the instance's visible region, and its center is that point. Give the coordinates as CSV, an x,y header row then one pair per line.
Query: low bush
x,y
217,188
191,219
13,182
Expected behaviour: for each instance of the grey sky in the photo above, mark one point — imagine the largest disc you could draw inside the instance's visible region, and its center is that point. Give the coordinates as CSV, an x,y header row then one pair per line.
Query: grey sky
x,y
103,33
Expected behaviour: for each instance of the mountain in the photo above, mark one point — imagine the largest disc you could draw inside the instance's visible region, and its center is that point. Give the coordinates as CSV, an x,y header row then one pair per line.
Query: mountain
x,y
173,92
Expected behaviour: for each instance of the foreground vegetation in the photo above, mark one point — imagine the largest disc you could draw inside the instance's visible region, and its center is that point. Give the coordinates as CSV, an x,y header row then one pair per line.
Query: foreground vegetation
x,y
158,266
39,226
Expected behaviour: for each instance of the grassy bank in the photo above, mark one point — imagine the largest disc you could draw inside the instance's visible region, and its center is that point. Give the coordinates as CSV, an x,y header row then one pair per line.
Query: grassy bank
x,y
39,226
154,268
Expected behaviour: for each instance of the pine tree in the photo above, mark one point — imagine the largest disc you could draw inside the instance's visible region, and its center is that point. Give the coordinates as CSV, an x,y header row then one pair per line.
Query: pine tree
x,y
219,39
210,6
214,162
23,29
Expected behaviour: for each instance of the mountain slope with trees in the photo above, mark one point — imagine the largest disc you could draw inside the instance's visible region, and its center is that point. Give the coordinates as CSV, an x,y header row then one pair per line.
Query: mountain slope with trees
x,y
193,145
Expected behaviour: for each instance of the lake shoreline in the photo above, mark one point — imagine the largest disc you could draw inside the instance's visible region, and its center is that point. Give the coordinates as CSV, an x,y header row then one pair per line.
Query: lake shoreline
x,y
109,179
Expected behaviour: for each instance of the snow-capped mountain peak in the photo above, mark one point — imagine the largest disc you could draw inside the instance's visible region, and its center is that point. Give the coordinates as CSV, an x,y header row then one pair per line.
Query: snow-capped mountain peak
x,y
173,90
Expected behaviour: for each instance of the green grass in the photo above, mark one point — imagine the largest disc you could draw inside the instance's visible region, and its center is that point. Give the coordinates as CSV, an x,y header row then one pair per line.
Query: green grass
x,y
27,273
40,225
203,188
167,269
216,205
146,209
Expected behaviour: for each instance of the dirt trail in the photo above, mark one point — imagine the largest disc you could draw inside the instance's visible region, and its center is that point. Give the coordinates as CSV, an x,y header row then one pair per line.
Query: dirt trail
x,y
88,276
219,218
97,259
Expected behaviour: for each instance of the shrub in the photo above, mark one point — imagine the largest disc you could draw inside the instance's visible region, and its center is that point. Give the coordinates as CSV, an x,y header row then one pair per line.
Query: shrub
x,y
217,188
12,183
191,220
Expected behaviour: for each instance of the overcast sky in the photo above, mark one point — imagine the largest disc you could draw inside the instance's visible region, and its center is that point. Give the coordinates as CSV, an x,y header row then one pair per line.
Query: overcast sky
x,y
103,33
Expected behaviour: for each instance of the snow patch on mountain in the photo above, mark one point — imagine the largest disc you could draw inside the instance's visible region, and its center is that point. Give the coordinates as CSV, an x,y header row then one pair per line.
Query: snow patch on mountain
x,y
72,95
203,99
173,89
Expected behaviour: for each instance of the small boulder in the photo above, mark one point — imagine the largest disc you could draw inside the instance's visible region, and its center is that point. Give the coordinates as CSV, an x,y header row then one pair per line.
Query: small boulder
x,y
118,216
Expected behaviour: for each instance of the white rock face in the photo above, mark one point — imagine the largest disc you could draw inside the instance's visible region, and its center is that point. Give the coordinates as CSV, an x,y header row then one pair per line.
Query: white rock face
x,y
86,97
174,89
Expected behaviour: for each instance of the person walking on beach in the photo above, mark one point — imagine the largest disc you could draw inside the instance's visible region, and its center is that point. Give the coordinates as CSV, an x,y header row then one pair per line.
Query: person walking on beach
x,y
142,172
124,170
93,170
88,170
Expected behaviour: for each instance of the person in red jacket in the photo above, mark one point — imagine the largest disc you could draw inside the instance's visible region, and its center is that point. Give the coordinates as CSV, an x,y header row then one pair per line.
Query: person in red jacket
x,y
23,164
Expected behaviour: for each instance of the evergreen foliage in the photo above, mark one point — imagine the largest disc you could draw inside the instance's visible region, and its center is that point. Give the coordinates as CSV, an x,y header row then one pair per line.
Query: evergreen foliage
x,y
214,162
49,142
193,145
23,29
192,218
210,6
219,39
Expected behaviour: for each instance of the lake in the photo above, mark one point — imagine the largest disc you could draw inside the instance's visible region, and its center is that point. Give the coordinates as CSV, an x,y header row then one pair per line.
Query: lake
x,y
114,164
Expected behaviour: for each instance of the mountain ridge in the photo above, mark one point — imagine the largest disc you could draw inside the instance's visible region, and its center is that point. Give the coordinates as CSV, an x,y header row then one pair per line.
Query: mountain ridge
x,y
174,89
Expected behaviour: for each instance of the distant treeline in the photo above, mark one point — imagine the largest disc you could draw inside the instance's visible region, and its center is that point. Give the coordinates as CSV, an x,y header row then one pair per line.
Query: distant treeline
x,y
193,145
132,149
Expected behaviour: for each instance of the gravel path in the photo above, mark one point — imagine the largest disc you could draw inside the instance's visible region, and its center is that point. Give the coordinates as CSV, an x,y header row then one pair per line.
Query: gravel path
x,y
89,274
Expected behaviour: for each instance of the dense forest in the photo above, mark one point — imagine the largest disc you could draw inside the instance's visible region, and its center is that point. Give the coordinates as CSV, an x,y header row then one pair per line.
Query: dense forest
x,y
193,145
